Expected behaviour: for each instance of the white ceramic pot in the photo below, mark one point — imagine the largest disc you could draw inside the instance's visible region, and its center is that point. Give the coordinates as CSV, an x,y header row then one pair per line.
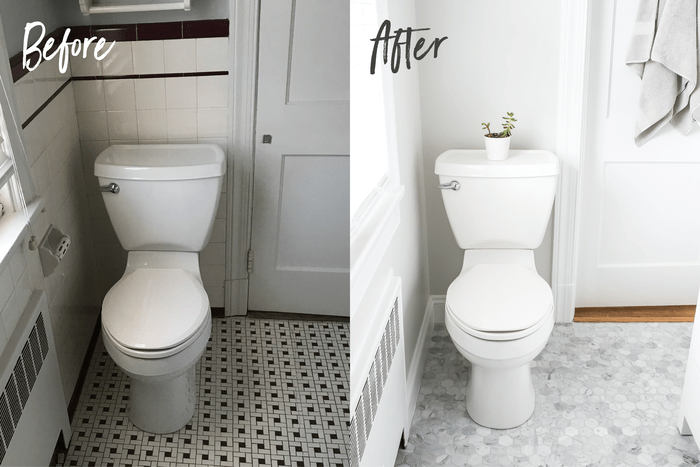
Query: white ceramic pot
x,y
497,148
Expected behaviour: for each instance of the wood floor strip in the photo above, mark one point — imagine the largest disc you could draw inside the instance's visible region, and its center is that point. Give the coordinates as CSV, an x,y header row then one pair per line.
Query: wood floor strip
x,y
636,314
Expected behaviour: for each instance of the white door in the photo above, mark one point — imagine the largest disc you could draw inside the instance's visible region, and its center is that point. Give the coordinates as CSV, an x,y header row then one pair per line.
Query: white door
x,y
689,413
639,225
300,237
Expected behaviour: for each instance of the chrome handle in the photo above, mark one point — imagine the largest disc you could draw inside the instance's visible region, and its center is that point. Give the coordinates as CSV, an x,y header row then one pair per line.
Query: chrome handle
x,y
111,188
453,185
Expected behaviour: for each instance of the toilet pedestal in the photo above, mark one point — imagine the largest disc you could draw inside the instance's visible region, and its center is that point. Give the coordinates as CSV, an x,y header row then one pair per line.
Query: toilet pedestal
x,y
500,398
165,406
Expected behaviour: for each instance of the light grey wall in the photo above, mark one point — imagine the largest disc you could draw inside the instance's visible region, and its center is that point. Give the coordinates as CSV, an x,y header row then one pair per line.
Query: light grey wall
x,y
16,14
500,55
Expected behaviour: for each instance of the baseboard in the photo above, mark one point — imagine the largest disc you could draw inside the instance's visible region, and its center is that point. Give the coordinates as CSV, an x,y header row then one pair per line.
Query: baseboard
x,y
420,354
438,305
75,397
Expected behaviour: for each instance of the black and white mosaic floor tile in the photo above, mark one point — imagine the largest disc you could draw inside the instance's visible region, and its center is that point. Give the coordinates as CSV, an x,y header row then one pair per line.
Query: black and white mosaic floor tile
x,y
607,394
272,392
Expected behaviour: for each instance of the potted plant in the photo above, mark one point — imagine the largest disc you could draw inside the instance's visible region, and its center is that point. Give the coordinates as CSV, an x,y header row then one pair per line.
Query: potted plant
x,y
498,144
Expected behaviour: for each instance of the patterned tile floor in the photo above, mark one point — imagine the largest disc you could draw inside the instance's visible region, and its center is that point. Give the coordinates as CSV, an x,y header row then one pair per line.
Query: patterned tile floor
x,y
271,392
607,395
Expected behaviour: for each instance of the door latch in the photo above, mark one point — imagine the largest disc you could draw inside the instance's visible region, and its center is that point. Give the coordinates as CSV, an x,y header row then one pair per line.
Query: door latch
x,y
267,139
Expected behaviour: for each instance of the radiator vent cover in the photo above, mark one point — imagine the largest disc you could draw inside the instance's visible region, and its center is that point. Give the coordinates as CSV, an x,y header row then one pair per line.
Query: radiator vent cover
x,y
21,381
361,423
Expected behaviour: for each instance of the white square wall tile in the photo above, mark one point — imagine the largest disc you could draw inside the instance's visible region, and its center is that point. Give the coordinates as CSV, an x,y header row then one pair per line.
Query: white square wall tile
x,y
119,60
212,91
17,264
212,54
152,124
89,95
214,254
218,233
182,123
150,93
180,56
148,57
93,126
122,124
213,275
6,286
120,94
10,315
216,296
212,122
181,93
87,66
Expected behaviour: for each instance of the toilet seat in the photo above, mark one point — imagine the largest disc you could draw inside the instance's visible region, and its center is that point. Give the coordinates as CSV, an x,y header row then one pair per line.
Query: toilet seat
x,y
499,301
153,312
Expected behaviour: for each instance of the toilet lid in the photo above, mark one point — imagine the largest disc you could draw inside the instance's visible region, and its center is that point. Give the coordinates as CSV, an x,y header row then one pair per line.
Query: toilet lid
x,y
154,309
499,298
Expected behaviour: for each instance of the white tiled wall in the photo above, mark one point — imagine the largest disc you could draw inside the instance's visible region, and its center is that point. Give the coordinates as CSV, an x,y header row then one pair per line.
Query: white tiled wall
x,y
53,149
150,111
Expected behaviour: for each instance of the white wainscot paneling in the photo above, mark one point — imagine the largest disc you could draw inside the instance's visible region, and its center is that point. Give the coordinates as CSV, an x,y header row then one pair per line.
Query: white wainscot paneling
x,y
650,214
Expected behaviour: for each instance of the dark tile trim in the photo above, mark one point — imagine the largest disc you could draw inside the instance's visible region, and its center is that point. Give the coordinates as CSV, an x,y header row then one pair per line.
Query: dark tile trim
x,y
45,104
297,316
73,404
129,32
153,75
218,312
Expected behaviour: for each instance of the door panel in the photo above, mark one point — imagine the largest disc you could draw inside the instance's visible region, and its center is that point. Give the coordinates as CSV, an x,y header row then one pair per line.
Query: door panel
x,y
300,237
639,227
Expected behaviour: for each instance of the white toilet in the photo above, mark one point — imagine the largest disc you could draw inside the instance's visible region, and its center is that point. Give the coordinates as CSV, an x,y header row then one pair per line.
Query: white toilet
x,y
156,320
499,311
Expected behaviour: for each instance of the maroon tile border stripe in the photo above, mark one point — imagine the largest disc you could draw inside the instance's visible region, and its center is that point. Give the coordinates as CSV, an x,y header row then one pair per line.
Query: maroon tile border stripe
x,y
152,75
129,32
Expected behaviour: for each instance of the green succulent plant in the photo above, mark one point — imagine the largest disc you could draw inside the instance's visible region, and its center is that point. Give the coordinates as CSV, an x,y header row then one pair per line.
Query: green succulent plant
x,y
507,127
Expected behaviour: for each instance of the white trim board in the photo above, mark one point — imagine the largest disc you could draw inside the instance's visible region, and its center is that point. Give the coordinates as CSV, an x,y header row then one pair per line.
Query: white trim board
x,y
573,77
243,56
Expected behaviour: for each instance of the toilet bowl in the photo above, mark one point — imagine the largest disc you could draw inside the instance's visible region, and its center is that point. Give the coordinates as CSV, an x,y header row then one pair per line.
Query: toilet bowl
x,y
499,316
156,320
499,312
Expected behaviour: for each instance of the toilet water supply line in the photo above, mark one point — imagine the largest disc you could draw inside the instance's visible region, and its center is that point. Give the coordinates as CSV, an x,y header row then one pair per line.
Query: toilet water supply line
x,y
32,244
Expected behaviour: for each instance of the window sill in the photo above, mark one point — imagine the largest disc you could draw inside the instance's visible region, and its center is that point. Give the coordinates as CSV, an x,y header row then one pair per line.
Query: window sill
x,y
13,229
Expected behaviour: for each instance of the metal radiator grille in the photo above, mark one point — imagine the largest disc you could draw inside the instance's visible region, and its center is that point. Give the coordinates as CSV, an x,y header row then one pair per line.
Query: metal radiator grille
x,y
361,423
19,386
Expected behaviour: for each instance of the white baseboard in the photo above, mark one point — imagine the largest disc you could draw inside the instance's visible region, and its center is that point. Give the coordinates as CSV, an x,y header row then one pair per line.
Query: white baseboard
x,y
420,354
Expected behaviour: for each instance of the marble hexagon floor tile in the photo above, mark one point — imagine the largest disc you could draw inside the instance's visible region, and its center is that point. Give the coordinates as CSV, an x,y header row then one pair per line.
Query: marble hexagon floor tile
x,y
607,394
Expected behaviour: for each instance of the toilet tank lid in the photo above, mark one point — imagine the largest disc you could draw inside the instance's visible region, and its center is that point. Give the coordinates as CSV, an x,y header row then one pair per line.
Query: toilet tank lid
x,y
473,163
161,162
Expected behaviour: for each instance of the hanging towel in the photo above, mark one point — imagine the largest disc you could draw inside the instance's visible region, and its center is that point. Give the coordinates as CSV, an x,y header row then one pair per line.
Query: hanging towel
x,y
664,53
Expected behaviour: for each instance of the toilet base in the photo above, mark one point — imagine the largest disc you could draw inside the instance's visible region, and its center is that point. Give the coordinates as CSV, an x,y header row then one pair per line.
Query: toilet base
x,y
163,406
500,398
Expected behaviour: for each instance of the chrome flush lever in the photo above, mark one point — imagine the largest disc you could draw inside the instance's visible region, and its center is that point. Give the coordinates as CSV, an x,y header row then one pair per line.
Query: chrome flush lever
x,y
453,185
111,188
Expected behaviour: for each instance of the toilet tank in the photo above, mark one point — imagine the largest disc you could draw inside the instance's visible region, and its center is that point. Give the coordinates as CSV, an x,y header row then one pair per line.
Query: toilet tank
x,y
500,204
168,194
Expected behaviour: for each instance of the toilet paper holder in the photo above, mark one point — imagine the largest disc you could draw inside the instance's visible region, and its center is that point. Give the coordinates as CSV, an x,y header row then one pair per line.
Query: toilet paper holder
x,y
52,249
